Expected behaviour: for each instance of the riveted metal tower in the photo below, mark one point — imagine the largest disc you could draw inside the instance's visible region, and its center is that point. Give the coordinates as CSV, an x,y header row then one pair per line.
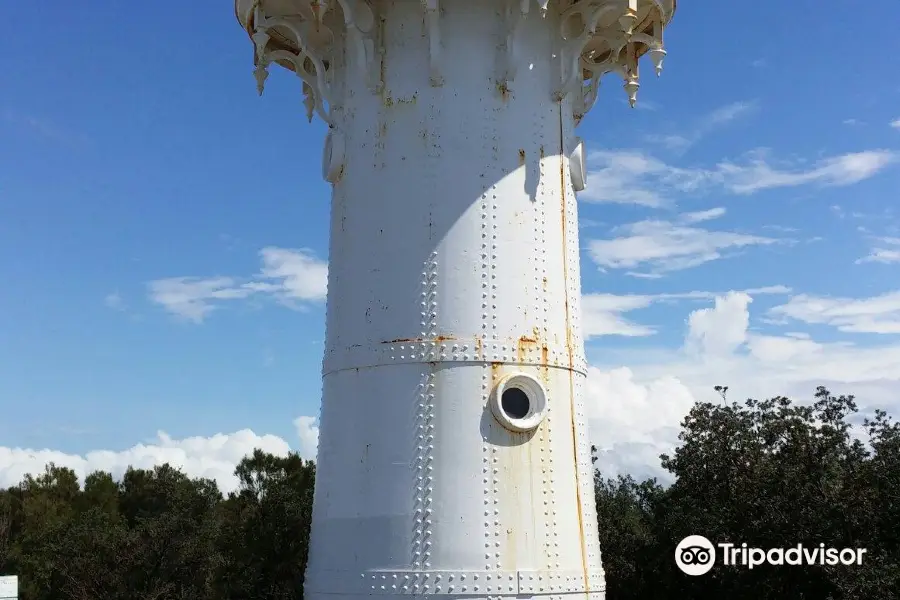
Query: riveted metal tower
x,y
454,457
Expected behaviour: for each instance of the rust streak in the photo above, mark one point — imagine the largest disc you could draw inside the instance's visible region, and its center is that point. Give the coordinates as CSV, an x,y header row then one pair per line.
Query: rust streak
x,y
523,345
562,195
495,372
584,566
437,338
504,90
521,157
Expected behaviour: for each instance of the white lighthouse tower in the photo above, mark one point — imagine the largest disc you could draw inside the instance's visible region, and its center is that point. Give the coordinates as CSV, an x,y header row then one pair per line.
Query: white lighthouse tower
x,y
454,457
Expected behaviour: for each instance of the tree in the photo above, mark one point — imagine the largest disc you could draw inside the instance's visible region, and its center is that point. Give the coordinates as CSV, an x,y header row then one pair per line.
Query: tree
x,y
265,529
770,474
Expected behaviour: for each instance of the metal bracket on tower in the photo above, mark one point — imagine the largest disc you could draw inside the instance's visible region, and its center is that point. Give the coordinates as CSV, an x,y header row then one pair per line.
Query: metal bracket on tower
x,y
516,12
433,23
578,26
316,88
359,19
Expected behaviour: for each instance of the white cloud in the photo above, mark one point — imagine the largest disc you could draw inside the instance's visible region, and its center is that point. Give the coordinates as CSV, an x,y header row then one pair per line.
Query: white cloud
x,y
721,328
214,457
631,421
308,434
46,129
708,123
662,246
757,174
603,314
895,123
886,251
701,216
635,177
881,255
300,275
635,400
293,277
636,410
114,301
878,314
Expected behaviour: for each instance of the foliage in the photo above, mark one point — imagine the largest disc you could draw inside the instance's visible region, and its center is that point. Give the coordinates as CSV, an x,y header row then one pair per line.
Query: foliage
x,y
769,473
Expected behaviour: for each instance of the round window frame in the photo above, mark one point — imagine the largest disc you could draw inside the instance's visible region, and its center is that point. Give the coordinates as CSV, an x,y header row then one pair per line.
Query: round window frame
x,y
537,402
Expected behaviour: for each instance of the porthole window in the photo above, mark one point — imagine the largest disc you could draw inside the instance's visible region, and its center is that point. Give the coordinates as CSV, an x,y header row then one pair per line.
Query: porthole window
x,y
519,402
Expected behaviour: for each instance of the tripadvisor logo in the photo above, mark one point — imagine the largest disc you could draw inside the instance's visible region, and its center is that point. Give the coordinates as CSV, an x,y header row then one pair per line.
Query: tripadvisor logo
x,y
696,555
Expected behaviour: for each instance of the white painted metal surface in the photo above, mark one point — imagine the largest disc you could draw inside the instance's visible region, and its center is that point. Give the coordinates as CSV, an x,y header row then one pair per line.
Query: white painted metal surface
x,y
9,587
453,454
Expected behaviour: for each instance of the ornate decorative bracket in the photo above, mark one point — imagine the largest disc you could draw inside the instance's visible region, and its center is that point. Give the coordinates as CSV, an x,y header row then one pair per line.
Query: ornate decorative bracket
x,y
597,37
597,42
308,65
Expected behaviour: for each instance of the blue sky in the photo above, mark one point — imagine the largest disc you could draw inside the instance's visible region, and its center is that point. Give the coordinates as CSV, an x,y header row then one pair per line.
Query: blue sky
x,y
134,151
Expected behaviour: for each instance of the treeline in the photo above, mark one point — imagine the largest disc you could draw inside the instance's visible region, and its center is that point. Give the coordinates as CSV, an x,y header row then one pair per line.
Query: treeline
x,y
768,473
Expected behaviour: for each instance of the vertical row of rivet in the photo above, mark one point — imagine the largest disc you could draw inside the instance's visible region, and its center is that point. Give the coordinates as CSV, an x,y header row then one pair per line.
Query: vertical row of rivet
x,y
489,449
424,454
496,163
542,309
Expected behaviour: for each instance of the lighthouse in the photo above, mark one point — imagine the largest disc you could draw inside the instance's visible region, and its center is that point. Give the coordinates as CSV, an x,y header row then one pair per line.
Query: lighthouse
x,y
454,457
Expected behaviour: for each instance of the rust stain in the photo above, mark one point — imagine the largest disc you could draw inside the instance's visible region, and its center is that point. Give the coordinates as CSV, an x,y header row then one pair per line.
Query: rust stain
x,y
562,195
504,90
544,283
382,63
437,338
478,350
495,372
584,566
545,352
542,151
521,157
522,347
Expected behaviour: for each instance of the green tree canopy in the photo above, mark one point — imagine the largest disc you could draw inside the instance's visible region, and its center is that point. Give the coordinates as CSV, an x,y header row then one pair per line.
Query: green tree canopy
x,y
769,473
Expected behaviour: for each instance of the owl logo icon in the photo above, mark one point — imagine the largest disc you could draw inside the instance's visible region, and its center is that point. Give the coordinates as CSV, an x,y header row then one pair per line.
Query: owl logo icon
x,y
695,555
